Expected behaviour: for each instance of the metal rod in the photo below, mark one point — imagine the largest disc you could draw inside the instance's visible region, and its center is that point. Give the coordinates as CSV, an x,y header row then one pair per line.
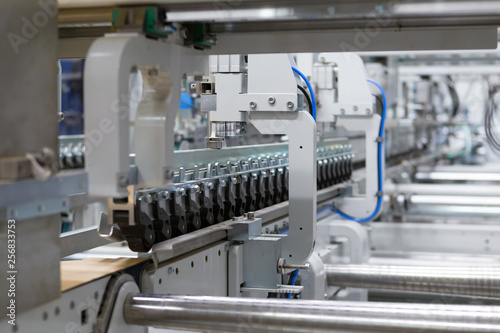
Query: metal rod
x,y
444,189
470,281
224,314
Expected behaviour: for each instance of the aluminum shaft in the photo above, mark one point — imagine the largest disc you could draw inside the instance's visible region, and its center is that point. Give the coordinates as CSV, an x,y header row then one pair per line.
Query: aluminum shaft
x,y
224,314
470,281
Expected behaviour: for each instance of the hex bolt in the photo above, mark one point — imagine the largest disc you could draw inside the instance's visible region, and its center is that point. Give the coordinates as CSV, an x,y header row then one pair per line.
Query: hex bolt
x,y
271,100
235,218
253,105
251,215
289,104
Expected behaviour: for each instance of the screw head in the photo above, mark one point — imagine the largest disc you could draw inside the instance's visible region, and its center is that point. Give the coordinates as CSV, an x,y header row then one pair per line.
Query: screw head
x,y
271,100
289,104
253,105
342,111
368,111
355,108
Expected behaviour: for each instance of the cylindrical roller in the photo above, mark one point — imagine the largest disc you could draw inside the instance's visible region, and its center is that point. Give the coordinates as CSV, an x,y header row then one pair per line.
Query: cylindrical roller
x,y
224,314
470,281
444,189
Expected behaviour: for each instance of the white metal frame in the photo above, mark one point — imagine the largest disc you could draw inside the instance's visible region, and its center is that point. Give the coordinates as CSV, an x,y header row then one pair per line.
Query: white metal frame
x,y
110,62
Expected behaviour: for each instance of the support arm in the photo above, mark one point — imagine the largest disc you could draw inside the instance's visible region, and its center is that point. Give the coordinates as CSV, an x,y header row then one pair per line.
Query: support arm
x,y
301,131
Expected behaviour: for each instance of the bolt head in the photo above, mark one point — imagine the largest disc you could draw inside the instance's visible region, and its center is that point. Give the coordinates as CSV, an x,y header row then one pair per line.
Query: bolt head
x,y
271,100
342,111
355,108
368,111
289,104
253,105
148,198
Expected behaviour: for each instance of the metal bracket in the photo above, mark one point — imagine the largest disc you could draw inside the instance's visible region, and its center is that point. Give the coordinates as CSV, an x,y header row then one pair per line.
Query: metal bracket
x,y
149,20
37,208
109,231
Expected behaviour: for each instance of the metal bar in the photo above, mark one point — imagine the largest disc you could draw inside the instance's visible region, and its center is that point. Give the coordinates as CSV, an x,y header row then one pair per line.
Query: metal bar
x,y
469,238
224,314
63,184
471,281
458,176
80,240
454,200
444,189
488,167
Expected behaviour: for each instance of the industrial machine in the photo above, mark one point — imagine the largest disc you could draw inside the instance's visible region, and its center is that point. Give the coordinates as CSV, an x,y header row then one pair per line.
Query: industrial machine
x,y
229,166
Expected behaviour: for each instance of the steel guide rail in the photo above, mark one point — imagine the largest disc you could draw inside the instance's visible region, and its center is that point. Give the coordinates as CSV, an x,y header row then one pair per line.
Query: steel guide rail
x,y
212,193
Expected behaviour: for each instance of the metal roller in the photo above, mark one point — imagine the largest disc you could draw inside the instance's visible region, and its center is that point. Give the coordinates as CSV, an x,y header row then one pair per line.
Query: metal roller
x,y
469,281
444,189
224,314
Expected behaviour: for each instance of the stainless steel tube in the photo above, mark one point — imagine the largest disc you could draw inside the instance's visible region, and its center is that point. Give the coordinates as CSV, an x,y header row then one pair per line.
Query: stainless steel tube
x,y
224,314
470,281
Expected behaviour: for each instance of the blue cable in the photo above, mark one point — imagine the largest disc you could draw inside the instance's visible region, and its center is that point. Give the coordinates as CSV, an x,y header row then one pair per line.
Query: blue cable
x,y
311,91
294,279
380,180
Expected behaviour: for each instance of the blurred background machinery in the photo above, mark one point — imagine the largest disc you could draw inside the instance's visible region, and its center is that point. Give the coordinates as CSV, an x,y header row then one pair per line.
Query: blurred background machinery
x,y
240,165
